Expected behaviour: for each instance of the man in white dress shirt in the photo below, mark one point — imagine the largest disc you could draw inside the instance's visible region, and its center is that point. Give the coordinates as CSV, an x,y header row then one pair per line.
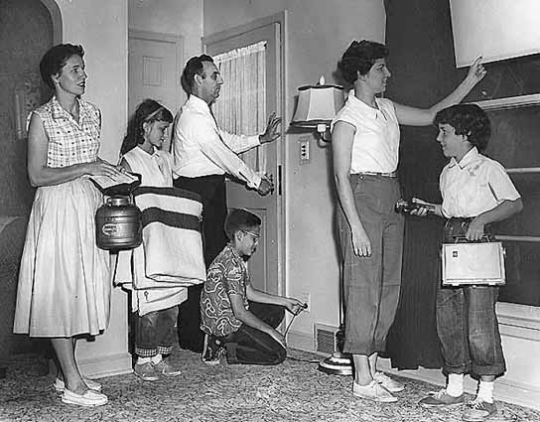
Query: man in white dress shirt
x,y
203,156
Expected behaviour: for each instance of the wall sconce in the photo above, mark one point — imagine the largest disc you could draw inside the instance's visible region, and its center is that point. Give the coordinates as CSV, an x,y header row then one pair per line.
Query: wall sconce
x,y
317,106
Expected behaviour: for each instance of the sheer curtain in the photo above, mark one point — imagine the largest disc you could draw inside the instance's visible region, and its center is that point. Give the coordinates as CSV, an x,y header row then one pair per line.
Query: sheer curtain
x,y
241,107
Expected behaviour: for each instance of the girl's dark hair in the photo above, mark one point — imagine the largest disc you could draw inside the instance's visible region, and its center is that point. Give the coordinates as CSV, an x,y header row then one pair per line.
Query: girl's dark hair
x,y
55,59
194,66
360,57
148,111
239,219
467,119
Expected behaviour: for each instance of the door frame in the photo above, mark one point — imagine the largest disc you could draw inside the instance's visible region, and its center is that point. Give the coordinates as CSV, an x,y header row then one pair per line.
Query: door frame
x,y
178,41
281,19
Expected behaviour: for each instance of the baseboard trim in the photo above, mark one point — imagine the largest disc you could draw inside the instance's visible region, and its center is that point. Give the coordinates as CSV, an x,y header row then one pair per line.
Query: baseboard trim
x,y
505,390
301,341
106,366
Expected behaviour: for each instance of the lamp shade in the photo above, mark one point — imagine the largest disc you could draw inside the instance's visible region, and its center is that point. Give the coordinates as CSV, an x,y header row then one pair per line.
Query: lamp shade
x,y
317,104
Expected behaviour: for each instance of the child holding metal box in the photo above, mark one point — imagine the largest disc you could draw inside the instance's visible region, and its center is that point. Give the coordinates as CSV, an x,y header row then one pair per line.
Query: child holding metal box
x,y
476,191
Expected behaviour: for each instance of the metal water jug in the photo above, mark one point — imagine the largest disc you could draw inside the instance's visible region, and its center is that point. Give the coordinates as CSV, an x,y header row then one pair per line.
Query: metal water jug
x,y
118,224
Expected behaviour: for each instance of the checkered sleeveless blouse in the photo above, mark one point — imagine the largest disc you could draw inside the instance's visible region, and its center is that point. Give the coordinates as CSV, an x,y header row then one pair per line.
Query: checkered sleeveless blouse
x,y
70,142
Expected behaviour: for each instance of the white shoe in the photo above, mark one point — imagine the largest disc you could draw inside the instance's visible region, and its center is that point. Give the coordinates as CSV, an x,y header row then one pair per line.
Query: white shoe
x,y
89,398
59,384
373,391
389,383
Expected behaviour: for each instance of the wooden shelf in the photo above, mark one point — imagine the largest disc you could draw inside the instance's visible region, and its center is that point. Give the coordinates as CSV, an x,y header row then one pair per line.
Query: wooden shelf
x,y
517,238
523,170
509,102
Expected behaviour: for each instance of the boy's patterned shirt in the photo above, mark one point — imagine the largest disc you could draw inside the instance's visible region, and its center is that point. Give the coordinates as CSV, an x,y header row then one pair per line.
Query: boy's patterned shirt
x,y
226,276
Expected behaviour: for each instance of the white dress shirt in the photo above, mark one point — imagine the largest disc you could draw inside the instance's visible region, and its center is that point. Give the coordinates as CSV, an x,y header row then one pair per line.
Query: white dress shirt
x,y
200,148
474,185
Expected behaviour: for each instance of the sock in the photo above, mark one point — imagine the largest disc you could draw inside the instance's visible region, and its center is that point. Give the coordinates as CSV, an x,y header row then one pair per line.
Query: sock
x,y
158,358
455,385
142,361
485,391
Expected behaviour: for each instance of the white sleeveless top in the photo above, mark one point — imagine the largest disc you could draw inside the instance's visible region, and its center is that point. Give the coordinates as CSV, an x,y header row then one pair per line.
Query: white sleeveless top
x,y
376,138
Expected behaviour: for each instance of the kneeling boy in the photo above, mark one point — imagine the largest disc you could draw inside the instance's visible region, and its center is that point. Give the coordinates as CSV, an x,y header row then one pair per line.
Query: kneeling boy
x,y
234,315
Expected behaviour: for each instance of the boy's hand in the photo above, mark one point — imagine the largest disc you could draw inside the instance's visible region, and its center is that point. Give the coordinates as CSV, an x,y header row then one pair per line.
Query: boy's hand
x,y
475,230
420,211
294,306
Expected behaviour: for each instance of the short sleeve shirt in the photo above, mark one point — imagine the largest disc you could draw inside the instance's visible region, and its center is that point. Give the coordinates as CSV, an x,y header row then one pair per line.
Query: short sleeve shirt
x,y
226,276
69,141
155,169
475,185
376,138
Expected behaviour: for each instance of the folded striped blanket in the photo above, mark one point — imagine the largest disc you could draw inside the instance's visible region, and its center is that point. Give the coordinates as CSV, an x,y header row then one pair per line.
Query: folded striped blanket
x,y
171,252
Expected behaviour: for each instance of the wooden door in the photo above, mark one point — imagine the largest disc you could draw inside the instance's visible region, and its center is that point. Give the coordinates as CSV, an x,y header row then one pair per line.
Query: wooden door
x,y
154,71
266,264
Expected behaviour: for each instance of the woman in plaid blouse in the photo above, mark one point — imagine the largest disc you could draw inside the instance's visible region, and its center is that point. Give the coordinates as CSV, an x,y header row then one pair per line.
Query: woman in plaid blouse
x,y
64,284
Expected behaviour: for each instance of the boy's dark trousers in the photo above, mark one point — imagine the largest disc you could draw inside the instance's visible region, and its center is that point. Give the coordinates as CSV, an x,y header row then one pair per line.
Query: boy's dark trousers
x,y
466,320
251,346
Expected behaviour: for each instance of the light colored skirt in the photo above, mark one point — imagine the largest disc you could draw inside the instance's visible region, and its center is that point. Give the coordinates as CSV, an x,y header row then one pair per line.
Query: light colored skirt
x,y
64,281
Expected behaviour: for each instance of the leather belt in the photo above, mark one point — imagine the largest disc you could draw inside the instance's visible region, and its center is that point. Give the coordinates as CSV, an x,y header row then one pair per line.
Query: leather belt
x,y
392,175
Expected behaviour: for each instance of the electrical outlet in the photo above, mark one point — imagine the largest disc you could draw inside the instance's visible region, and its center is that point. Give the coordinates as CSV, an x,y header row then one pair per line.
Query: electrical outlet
x,y
305,298
304,150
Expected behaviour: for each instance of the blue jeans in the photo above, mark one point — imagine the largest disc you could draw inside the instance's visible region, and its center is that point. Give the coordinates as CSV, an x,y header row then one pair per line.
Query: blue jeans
x,y
372,284
155,332
250,346
467,324
468,330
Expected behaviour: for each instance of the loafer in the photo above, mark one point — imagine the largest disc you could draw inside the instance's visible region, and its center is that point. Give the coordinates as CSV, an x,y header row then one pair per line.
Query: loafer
x,y
479,410
89,398
145,371
389,383
440,399
59,384
166,369
373,391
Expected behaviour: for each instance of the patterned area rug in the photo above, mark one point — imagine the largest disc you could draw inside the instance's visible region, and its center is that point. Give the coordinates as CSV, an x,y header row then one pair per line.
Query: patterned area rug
x,y
293,391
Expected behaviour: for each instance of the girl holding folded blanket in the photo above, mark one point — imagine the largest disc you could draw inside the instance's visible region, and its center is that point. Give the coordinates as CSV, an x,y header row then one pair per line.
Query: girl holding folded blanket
x,y
141,153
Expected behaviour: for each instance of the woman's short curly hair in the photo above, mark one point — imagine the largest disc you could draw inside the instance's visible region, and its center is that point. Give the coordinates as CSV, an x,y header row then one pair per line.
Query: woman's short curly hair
x,y
55,59
360,57
467,119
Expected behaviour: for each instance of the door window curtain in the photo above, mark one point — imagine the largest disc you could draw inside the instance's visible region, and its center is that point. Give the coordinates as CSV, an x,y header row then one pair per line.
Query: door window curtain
x,y
241,107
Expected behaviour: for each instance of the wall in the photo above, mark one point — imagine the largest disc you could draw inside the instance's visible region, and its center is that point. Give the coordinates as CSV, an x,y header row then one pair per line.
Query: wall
x,y
100,26
181,18
317,34
25,34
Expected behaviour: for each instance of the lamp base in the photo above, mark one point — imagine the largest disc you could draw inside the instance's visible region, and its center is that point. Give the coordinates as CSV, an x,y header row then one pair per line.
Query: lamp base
x,y
337,364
